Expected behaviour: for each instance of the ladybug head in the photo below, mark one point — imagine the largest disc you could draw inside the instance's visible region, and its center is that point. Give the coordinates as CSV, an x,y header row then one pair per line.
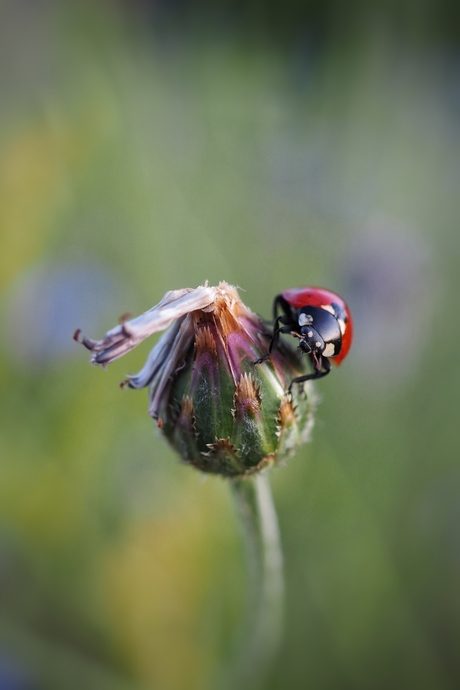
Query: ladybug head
x,y
311,343
319,333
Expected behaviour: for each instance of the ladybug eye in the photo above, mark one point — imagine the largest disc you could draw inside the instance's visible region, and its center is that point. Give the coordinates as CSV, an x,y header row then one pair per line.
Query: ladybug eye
x,y
304,319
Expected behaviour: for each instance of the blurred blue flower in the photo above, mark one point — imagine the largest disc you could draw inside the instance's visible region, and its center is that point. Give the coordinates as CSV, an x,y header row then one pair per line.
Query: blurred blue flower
x,y
389,279
13,676
43,305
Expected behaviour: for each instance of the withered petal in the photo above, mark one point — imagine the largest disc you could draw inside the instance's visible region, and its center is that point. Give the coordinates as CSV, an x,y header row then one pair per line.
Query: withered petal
x,y
127,335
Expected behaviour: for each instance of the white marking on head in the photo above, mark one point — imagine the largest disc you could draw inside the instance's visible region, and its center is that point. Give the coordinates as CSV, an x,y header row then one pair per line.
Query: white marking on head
x,y
304,319
328,308
329,350
310,334
317,344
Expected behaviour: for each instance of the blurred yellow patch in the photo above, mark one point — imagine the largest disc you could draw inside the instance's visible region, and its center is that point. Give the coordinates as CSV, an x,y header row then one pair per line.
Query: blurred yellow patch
x,y
165,587
37,170
32,188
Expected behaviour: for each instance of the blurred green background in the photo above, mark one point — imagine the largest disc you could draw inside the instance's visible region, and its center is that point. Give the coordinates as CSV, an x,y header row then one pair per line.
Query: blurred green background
x,y
147,146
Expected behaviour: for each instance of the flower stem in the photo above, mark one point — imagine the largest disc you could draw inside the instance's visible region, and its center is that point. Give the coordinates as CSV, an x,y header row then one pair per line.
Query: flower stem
x,y
265,601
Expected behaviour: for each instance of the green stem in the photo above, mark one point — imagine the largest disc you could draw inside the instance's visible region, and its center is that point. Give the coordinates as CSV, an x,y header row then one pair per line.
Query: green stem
x,y
265,601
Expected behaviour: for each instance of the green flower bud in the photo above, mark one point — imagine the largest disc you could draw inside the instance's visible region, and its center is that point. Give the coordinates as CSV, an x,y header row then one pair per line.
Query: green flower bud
x,y
219,411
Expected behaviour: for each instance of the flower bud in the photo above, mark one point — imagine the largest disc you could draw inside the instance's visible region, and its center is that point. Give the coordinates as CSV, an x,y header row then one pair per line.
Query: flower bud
x,y
221,412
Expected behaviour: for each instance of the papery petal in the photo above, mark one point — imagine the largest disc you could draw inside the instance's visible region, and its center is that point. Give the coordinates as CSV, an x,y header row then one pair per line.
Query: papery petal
x,y
125,337
156,358
175,361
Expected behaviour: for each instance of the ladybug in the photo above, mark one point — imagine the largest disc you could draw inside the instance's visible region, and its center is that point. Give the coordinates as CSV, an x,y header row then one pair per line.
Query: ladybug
x,y
320,320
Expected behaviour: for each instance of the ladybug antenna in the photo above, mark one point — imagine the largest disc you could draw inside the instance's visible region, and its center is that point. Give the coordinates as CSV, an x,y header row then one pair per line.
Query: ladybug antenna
x,y
317,359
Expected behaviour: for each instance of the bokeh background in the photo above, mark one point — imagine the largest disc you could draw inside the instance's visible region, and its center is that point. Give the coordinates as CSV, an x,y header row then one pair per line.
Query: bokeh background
x,y
147,146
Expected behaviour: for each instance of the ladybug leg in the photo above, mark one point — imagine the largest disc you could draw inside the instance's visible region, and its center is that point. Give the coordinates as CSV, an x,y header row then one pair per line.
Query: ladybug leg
x,y
286,328
323,369
278,302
